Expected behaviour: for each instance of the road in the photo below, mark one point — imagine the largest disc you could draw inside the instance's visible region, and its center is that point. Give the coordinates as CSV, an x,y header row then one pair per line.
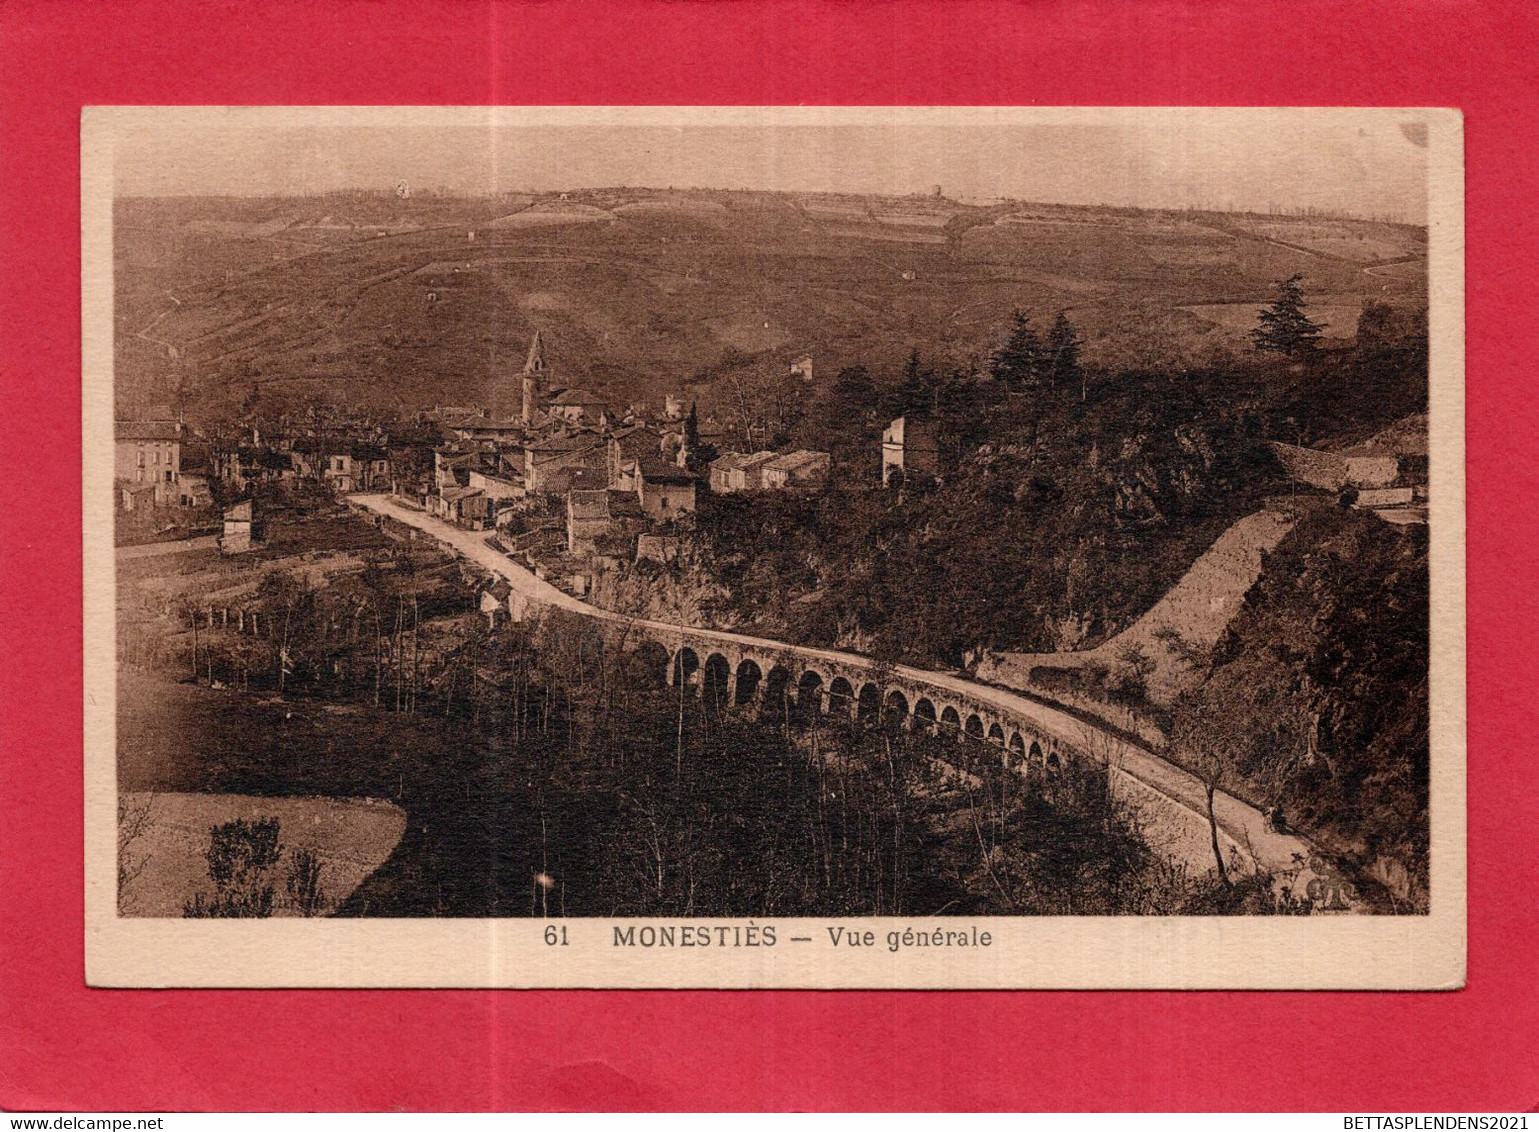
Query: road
x,y
172,546
1275,852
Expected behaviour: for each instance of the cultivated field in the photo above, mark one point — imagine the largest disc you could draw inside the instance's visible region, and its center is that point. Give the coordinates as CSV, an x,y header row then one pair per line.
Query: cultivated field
x,y
433,301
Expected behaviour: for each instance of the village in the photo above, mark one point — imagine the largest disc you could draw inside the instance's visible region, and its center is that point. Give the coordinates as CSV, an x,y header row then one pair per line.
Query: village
x,y
572,487
569,486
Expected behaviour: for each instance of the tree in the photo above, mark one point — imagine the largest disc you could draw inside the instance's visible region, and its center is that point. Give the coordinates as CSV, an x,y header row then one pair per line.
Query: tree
x,y
190,609
1018,363
1205,737
1284,327
692,432
285,596
846,420
918,390
1063,354
1384,330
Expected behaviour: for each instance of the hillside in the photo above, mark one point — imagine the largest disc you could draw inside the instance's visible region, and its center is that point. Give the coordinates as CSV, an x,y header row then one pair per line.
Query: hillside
x,y
1190,617
1318,692
401,303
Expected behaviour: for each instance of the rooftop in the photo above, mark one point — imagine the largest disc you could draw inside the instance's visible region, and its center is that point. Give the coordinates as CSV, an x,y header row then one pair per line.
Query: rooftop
x,y
658,470
589,479
565,443
578,397
149,430
797,459
588,504
748,460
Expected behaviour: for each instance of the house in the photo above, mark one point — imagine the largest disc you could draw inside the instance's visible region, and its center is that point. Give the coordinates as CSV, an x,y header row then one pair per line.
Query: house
x,y
500,478
241,465
587,519
149,452
664,489
505,431
135,496
242,529
713,434
502,485
801,468
579,407
624,451
802,367
356,467
737,471
549,463
193,490
306,457
602,523
909,445
452,465
658,548
463,506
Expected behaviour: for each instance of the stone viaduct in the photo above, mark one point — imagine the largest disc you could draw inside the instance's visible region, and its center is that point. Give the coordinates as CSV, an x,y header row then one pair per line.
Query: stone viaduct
x,y
735,673
736,669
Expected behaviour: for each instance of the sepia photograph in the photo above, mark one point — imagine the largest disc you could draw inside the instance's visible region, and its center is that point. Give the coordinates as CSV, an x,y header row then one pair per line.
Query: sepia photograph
x,y
774,547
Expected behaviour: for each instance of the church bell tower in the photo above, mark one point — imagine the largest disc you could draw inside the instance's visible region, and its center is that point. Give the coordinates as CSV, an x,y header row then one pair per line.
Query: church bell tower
x,y
535,373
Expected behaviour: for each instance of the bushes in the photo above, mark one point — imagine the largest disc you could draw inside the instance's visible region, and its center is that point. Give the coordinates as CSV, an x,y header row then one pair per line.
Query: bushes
x,y
242,857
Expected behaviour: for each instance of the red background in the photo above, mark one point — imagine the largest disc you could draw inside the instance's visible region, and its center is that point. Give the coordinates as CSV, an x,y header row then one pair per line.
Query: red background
x,y
63,1046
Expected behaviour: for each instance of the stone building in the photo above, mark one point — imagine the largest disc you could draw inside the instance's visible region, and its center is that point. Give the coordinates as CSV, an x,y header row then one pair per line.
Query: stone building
x,y
665,490
355,467
801,468
149,452
549,463
626,448
579,407
587,519
909,445
738,471
242,528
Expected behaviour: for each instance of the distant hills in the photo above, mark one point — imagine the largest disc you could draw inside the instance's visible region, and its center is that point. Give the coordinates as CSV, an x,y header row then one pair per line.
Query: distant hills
x,y
404,302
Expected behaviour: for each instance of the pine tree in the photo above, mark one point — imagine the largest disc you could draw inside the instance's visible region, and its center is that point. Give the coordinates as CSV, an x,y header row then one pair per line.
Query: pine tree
x,y
1063,354
696,455
1285,328
917,393
1018,363
692,430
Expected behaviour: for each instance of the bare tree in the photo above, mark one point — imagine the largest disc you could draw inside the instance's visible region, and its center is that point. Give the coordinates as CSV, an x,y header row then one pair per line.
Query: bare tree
x,y
1204,739
133,822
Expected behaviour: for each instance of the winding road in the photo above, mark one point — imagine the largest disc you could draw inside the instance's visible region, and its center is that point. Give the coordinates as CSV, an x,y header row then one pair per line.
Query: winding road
x,y
1241,823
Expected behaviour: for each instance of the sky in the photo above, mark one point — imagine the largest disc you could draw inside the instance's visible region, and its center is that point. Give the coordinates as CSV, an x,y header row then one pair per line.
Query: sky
x,y
1367,163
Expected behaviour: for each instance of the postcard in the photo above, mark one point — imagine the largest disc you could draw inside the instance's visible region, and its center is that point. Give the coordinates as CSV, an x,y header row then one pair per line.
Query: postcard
x,y
774,547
